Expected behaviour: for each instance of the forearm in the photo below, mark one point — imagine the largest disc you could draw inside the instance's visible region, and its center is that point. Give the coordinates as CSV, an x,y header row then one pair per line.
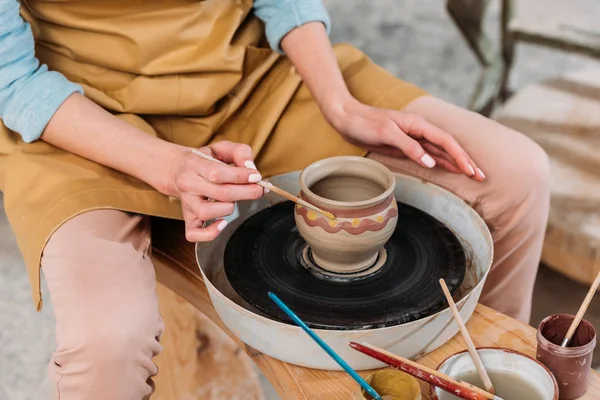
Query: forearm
x,y
308,46
81,127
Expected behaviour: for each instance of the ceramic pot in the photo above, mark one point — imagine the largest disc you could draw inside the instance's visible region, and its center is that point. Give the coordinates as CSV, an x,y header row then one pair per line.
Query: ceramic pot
x,y
393,384
513,374
360,193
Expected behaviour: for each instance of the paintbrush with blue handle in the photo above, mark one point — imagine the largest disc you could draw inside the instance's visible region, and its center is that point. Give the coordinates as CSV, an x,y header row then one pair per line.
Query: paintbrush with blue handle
x,y
325,347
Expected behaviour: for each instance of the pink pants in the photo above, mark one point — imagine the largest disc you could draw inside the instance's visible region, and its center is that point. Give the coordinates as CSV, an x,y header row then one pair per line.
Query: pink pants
x,y
104,289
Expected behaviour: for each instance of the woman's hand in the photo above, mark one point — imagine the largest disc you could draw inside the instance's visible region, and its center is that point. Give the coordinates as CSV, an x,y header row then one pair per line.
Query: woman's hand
x,y
379,130
402,134
208,189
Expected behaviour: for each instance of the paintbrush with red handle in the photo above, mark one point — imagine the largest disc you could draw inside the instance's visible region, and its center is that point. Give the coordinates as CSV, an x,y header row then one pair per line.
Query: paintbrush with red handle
x,y
460,389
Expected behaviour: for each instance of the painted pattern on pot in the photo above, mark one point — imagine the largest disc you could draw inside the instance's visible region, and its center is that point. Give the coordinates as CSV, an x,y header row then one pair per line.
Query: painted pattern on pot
x,y
355,223
360,193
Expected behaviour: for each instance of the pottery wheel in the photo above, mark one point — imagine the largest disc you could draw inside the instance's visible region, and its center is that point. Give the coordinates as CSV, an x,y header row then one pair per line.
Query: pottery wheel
x,y
266,252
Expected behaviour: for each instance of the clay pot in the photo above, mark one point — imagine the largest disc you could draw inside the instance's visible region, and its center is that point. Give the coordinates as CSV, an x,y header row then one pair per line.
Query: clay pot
x,y
393,384
513,374
360,193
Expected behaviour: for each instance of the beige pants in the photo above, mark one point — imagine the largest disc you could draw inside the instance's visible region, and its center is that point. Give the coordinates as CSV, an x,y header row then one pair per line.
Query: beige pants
x,y
102,280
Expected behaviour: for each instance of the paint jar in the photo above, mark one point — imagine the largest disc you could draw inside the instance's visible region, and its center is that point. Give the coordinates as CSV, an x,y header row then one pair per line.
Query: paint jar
x,y
393,384
570,365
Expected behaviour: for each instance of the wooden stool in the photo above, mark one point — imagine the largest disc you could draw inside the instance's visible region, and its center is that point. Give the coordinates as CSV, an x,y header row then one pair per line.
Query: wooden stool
x,y
563,116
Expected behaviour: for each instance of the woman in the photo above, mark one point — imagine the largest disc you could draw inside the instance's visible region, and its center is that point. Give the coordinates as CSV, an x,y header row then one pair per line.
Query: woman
x,y
257,85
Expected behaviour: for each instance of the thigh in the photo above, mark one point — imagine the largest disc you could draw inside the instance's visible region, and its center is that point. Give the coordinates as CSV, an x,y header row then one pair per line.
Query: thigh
x,y
100,275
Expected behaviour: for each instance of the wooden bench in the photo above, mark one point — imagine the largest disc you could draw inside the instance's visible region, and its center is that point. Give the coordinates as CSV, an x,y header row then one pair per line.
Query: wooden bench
x,y
176,268
563,116
199,361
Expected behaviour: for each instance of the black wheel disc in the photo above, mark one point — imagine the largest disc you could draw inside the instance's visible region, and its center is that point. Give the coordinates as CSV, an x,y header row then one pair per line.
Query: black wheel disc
x,y
265,254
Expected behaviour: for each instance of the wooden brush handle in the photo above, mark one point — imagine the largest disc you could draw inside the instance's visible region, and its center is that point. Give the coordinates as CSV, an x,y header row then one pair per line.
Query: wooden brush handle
x,y
460,389
582,309
467,338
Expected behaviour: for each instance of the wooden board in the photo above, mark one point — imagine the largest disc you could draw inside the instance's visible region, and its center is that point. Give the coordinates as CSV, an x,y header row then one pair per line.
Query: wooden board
x,y
564,25
563,117
199,361
176,268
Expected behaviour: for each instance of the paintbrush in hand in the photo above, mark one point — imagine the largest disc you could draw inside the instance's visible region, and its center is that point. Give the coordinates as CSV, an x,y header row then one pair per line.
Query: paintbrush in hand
x,y
274,189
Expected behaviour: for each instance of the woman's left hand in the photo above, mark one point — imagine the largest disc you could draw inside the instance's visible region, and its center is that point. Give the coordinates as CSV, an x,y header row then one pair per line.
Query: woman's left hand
x,y
402,134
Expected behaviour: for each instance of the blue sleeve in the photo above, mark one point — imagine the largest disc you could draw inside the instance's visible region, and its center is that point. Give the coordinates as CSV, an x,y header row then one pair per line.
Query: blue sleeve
x,y
282,16
29,93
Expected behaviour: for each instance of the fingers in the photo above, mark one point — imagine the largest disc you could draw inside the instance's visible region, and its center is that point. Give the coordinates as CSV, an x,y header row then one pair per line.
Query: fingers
x,y
239,154
223,173
205,210
229,153
418,127
442,158
232,193
220,181
394,136
192,183
196,234
445,141
196,211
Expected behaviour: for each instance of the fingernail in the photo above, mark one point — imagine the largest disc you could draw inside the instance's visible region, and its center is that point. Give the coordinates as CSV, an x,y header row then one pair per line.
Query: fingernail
x,y
481,173
267,190
249,164
222,225
427,160
471,170
254,178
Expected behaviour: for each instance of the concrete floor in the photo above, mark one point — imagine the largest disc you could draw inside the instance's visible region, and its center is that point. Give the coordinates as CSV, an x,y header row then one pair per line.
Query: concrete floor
x,y
414,40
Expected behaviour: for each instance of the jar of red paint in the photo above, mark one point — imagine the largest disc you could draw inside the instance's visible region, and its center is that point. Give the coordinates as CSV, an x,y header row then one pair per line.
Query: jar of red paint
x,y
570,365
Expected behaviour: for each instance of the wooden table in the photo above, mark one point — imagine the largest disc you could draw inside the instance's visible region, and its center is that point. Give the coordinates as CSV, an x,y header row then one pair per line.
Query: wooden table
x,y
176,268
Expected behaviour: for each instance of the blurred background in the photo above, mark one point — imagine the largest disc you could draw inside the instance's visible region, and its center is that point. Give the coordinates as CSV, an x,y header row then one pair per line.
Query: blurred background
x,y
541,76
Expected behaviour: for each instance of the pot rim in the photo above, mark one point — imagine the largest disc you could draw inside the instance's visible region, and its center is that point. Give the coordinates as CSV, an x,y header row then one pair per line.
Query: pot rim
x,y
444,361
389,190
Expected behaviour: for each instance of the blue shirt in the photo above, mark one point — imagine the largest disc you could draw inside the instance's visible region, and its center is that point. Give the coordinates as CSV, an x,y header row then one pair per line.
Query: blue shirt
x,y
30,94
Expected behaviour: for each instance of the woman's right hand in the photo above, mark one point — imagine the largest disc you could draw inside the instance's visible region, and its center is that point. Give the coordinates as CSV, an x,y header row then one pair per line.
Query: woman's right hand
x,y
208,189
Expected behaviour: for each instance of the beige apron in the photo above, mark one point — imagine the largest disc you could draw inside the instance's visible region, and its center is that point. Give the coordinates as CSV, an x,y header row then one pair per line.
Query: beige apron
x,y
190,72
